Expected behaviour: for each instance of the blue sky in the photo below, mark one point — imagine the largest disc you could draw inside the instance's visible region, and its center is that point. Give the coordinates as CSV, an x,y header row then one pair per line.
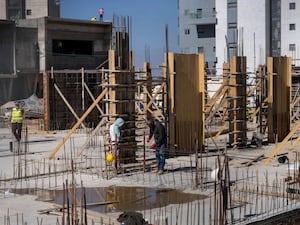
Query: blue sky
x,y
148,21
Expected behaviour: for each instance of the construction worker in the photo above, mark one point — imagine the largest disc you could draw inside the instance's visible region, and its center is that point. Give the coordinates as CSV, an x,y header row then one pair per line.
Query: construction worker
x,y
151,125
16,121
115,136
114,130
159,134
101,13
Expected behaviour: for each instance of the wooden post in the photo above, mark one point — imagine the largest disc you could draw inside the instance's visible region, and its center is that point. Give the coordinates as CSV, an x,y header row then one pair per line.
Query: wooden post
x,y
237,101
46,100
280,76
172,113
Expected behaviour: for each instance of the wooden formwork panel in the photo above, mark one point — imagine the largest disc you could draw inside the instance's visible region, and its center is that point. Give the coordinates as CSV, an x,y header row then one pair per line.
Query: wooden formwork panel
x,y
237,100
188,102
122,104
279,85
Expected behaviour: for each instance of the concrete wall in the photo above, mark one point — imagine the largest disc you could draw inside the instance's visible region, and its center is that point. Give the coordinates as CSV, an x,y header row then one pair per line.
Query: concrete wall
x,y
26,50
41,8
54,8
98,33
38,8
33,53
189,18
20,87
2,9
290,16
50,29
17,48
7,47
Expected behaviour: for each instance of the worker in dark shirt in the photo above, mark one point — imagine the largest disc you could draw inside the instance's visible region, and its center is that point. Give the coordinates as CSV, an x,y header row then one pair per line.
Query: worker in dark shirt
x,y
158,130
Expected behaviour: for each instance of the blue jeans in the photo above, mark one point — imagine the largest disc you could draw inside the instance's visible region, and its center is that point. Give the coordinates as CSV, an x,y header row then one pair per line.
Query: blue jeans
x,y
160,157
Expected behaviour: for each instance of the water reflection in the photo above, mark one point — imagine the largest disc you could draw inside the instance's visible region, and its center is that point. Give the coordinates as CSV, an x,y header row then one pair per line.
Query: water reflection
x,y
119,198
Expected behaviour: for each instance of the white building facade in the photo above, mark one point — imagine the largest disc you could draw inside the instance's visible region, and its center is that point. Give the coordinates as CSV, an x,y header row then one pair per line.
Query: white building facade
x,y
28,9
255,29
197,21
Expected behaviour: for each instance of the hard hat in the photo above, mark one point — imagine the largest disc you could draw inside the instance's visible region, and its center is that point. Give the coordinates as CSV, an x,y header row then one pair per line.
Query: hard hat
x,y
110,157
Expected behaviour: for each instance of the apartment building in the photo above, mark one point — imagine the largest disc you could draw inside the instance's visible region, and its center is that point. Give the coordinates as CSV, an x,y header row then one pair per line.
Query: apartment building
x,y
33,39
197,22
256,29
28,9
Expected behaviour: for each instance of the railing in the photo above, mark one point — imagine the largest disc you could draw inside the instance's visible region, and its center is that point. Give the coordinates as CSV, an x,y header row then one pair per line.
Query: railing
x,y
201,15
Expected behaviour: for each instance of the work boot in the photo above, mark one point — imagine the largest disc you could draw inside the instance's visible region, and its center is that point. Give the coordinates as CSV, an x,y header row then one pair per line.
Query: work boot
x,y
160,172
156,170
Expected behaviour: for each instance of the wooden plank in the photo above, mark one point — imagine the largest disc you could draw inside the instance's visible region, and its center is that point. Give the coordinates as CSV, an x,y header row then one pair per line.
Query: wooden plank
x,y
93,98
221,92
172,115
258,158
90,137
279,112
67,103
112,80
201,92
147,107
282,143
189,101
271,135
148,87
46,100
251,91
52,154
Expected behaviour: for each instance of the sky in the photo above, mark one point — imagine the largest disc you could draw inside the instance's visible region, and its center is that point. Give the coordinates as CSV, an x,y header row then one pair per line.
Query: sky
x,y
149,19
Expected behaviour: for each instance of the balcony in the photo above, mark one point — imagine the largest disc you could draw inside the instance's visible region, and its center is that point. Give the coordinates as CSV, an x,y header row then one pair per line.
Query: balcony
x,y
202,18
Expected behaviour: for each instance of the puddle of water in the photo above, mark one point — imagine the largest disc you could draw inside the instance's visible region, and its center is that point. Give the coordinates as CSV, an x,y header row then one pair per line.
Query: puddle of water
x,y
118,198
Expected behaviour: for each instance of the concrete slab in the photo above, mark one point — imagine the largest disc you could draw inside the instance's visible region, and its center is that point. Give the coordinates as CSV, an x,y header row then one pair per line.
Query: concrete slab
x,y
253,185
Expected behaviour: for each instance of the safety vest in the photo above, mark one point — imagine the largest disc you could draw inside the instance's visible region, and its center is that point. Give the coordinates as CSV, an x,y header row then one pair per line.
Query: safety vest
x,y
16,115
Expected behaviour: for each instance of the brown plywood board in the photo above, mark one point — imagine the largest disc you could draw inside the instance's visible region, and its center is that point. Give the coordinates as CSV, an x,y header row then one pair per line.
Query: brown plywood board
x,y
189,101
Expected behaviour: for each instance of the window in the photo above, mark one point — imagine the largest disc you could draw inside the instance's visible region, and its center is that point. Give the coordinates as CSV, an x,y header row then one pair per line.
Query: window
x,y
187,31
214,12
292,47
28,12
206,31
186,12
214,49
72,47
200,50
232,25
292,5
13,3
232,5
199,13
292,26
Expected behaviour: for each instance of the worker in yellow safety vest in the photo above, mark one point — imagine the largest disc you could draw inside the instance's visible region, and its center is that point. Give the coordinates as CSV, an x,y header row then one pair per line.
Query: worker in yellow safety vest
x,y
16,121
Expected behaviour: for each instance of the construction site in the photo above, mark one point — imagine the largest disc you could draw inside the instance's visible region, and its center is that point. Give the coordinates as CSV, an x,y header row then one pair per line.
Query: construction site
x,y
232,150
